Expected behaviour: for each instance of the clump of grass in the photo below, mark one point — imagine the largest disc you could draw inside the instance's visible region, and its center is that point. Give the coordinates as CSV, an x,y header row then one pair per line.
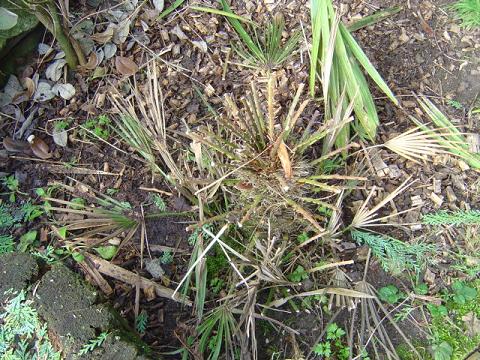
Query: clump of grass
x,y
469,12
89,225
266,50
337,59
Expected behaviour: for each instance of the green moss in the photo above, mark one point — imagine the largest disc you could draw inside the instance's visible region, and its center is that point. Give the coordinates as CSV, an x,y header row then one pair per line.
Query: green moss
x,y
16,269
452,329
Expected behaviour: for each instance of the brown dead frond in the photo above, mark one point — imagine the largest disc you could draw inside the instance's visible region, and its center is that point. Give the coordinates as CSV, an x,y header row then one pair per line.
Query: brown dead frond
x,y
365,217
93,218
416,144
372,333
140,120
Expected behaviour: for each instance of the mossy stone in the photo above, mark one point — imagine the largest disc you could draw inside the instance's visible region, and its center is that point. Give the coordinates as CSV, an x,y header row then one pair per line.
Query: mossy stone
x,y
16,270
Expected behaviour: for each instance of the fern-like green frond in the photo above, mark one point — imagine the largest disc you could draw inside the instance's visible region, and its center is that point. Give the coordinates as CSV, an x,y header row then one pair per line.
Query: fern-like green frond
x,y
468,217
394,255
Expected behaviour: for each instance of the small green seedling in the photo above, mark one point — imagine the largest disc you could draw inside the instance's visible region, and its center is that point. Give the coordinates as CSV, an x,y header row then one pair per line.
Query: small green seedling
x,y
6,244
216,285
298,274
12,184
333,347
463,293
141,322
390,294
167,258
421,289
442,351
99,126
27,240
455,104
159,202
301,238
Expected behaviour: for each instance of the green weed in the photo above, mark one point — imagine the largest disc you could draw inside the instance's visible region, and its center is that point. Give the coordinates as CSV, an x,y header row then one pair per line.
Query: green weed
x,y
94,343
100,126
454,326
167,258
469,12
6,244
141,322
390,294
334,347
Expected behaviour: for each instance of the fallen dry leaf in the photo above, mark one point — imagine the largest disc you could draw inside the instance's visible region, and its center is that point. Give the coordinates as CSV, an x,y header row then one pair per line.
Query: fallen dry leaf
x,y
472,323
15,145
125,66
30,85
285,160
103,37
39,148
92,62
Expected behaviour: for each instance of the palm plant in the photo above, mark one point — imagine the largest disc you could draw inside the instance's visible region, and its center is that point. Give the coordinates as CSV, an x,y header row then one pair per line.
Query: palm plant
x,y
336,59
266,50
92,218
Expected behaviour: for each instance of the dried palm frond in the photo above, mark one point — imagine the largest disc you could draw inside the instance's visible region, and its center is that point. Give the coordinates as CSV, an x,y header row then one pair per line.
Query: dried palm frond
x,y
365,217
446,133
95,219
340,280
372,333
416,144
141,124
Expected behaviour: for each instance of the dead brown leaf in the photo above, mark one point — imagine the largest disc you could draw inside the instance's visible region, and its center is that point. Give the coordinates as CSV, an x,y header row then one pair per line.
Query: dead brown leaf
x,y
40,148
125,66
30,85
91,63
15,145
472,324
285,160
103,37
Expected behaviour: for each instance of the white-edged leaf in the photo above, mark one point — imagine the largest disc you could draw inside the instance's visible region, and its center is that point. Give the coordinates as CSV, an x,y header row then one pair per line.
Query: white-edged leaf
x,y
109,50
60,137
66,91
55,69
8,19
159,5
44,49
43,92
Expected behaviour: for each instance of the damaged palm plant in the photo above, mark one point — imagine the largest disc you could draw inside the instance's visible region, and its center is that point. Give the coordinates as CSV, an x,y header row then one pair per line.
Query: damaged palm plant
x,y
268,182
337,60
140,120
256,283
90,218
266,170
